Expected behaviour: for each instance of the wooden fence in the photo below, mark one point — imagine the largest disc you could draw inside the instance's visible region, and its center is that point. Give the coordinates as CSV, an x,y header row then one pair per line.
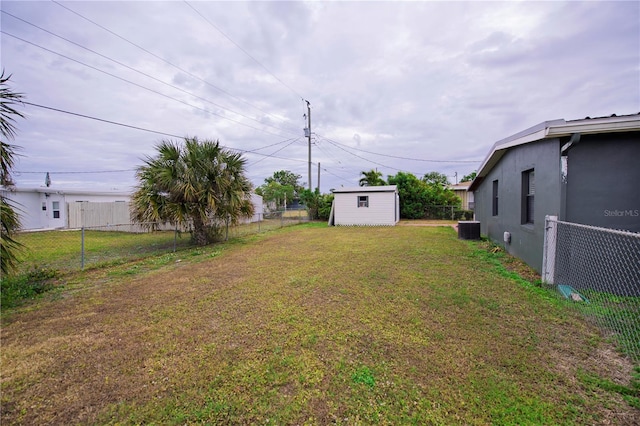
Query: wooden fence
x,y
106,216
87,215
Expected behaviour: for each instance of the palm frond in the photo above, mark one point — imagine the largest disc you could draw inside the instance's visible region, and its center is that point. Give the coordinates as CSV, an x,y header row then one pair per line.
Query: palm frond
x,y
198,183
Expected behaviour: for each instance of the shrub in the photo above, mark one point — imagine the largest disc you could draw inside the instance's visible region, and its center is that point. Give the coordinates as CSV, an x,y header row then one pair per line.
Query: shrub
x,y
463,214
318,205
324,209
17,288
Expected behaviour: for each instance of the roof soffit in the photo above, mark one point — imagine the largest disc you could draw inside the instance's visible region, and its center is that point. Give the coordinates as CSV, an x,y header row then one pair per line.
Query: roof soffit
x,y
554,129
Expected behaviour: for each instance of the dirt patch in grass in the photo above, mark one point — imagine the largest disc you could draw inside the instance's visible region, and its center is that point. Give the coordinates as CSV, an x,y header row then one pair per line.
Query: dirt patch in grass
x,y
309,325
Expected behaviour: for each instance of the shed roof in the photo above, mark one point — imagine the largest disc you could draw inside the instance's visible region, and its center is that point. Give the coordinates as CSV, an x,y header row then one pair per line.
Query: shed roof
x,y
555,129
384,188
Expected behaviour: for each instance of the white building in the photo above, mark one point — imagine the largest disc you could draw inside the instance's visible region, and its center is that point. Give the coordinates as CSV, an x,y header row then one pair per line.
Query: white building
x,y
365,206
462,190
47,208
50,208
258,208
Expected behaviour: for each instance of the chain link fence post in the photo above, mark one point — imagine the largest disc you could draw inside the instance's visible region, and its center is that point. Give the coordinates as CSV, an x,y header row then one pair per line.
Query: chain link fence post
x,y
175,238
549,249
82,249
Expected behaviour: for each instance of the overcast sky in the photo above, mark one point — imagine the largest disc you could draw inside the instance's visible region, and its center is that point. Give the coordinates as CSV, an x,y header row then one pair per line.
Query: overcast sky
x,y
411,86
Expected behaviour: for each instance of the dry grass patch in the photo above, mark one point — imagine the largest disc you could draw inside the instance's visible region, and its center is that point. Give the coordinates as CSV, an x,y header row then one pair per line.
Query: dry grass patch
x,y
309,325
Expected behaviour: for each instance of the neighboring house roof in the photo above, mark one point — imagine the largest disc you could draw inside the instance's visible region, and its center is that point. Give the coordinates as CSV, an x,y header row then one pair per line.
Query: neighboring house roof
x,y
462,186
556,129
51,190
384,188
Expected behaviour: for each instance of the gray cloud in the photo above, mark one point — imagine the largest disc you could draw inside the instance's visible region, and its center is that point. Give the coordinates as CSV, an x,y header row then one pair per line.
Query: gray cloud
x,y
424,80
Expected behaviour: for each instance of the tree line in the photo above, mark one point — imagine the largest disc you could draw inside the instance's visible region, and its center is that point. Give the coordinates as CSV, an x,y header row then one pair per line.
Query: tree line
x,y
416,194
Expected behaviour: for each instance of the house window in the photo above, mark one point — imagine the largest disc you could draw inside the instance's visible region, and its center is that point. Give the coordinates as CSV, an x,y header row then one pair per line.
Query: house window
x,y
44,206
55,206
494,197
363,201
528,194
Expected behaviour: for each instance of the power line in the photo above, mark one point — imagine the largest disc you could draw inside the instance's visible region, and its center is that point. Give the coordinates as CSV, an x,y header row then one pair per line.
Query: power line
x,y
274,144
401,158
358,156
142,73
274,152
244,51
333,174
83,172
151,131
102,120
340,146
337,145
163,59
321,148
139,85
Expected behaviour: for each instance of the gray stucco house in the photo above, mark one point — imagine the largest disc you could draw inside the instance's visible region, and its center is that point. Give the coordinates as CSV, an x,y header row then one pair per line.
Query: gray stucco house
x,y
583,171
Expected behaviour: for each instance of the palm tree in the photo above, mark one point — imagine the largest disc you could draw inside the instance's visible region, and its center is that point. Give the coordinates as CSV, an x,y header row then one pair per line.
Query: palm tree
x,y
8,99
372,178
9,247
236,194
198,184
10,221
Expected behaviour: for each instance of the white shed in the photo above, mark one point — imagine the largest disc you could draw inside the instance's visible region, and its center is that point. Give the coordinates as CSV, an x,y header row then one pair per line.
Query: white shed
x,y
365,206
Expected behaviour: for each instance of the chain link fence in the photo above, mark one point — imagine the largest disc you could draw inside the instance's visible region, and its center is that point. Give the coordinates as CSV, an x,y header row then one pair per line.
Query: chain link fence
x,y
598,271
67,250
447,213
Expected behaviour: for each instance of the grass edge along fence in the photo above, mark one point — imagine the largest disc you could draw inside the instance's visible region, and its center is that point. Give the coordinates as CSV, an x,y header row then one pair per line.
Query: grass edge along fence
x,y
180,237
65,250
598,271
95,249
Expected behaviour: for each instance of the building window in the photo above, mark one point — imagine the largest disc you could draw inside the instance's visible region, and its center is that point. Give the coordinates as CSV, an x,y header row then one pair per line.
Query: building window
x,y
494,196
528,194
363,201
44,206
55,206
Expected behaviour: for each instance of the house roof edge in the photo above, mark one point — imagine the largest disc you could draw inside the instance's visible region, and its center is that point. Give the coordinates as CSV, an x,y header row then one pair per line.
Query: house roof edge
x,y
554,129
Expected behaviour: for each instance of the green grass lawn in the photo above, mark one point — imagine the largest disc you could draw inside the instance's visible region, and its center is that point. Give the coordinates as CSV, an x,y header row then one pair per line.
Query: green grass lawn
x,y
311,325
61,250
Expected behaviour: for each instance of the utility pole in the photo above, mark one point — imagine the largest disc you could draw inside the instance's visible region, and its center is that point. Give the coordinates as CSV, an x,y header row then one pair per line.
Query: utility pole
x,y
318,177
308,132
